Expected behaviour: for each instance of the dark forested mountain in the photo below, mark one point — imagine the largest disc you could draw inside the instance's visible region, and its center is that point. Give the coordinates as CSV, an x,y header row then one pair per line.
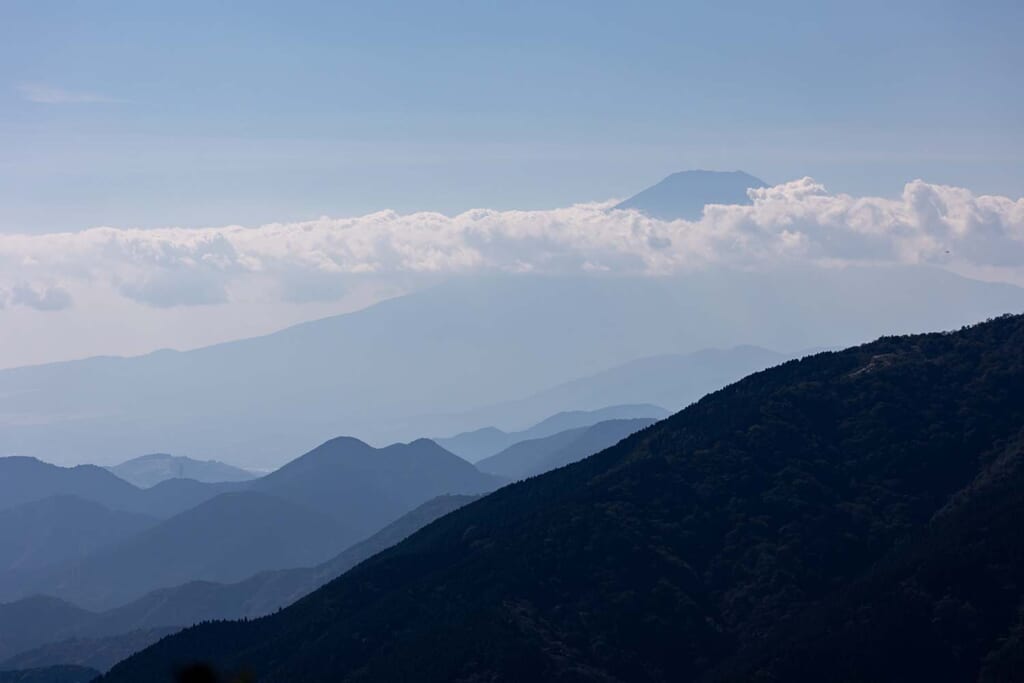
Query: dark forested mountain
x,y
149,470
482,443
46,631
536,456
684,194
52,674
849,516
61,529
227,538
438,353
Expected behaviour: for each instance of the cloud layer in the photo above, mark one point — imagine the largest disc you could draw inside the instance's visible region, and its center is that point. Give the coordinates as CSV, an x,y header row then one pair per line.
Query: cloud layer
x,y
797,221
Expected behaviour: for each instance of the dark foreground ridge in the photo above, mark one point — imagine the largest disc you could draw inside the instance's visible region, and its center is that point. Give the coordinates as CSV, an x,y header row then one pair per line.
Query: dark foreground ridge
x,y
850,516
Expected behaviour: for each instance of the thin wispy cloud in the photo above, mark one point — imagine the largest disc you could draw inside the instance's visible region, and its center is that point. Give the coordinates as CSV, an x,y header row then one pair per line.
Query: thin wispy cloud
x,y
47,94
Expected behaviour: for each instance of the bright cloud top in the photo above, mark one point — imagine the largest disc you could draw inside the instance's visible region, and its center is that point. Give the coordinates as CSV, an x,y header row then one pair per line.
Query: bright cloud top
x,y
797,221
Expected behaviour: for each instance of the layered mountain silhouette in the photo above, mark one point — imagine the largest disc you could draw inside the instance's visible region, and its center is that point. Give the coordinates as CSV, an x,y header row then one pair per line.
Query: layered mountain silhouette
x,y
482,443
438,353
299,515
685,194
61,529
537,456
26,480
365,488
226,538
673,380
150,470
27,623
848,516
42,631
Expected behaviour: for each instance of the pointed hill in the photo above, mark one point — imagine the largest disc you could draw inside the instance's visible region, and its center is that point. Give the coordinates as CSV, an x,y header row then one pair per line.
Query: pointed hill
x,y
686,193
365,488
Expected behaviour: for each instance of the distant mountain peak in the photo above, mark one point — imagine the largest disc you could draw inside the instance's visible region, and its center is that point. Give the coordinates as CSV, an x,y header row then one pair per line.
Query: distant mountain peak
x,y
151,469
685,194
339,445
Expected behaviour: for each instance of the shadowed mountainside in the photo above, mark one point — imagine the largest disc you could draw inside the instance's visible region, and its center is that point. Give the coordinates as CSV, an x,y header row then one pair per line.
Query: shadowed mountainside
x,y
47,631
26,623
224,539
98,654
704,547
61,529
52,674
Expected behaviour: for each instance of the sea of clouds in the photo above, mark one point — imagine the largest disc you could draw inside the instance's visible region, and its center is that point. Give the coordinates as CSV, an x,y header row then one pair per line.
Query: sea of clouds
x,y
798,221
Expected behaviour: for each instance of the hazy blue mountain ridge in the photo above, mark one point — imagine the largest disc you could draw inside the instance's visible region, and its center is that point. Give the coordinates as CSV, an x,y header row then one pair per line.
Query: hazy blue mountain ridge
x,y
149,470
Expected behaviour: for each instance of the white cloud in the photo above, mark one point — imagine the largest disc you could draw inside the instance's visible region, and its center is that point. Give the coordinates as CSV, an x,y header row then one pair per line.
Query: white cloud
x,y
39,298
46,94
316,260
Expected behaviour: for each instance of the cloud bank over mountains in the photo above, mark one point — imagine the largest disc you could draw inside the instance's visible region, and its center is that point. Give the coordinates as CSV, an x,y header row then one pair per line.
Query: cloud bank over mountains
x,y
798,221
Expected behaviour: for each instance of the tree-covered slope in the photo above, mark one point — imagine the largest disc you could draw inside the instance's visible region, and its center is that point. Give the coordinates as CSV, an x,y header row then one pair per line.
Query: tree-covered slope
x,y
783,520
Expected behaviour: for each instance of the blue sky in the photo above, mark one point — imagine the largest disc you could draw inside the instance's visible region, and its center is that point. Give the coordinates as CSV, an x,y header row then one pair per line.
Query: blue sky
x,y
208,113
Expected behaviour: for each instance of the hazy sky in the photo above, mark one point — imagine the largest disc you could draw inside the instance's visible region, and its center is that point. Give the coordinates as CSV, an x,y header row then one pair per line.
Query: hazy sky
x,y
116,290
208,113
154,119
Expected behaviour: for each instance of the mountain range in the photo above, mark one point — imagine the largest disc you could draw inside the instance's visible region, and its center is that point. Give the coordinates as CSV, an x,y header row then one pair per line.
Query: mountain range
x,y
258,531
537,456
438,354
149,470
61,528
488,441
41,631
299,515
846,516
